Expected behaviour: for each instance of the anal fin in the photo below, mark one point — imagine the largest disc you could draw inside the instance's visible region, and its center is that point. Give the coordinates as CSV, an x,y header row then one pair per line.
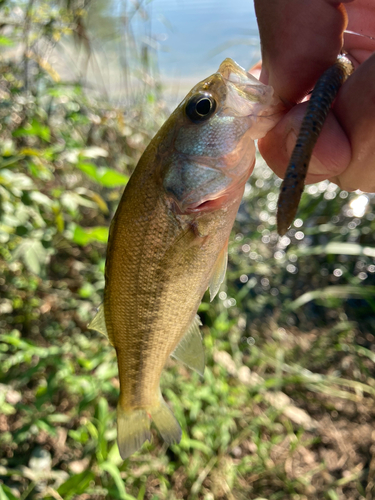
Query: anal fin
x,y
190,349
218,273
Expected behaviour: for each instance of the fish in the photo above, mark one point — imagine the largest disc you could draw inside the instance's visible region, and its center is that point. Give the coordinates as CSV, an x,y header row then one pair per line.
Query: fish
x,y
168,241
320,102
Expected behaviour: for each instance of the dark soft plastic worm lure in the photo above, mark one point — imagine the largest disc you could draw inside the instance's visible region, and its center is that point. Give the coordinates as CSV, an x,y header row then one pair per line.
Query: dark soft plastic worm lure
x,y
320,102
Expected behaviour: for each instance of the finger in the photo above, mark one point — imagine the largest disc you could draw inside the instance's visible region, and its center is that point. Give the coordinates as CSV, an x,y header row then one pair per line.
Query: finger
x,y
256,69
331,155
300,39
361,21
355,110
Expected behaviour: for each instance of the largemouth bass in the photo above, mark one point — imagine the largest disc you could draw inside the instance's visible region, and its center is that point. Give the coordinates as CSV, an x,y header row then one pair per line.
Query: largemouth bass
x,y
169,237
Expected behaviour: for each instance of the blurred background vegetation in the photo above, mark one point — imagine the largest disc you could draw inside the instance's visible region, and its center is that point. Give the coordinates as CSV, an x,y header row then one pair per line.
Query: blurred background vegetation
x,y
286,407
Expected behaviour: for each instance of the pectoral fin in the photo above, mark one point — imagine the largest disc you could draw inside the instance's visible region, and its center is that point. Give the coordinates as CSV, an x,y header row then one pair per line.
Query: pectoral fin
x,y
218,272
98,323
190,349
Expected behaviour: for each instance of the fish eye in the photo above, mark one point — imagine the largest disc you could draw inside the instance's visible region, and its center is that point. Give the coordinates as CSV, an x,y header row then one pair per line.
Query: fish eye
x,y
200,107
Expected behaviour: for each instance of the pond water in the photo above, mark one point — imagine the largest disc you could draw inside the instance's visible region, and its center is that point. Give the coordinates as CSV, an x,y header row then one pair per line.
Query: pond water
x,y
185,41
195,36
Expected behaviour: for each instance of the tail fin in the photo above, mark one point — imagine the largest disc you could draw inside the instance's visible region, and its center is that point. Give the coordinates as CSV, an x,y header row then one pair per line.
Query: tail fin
x,y
166,423
133,429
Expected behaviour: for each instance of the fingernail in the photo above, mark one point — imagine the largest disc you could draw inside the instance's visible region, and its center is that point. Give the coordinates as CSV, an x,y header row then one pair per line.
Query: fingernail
x,y
315,165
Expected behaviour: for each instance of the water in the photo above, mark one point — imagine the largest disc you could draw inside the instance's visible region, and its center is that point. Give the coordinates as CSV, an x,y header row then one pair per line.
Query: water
x,y
195,36
187,39
183,41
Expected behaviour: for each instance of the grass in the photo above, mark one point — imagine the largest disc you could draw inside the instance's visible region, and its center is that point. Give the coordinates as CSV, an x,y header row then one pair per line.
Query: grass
x,y
284,411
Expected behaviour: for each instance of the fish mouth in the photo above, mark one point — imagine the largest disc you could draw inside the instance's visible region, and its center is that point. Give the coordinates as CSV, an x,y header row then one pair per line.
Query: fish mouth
x,y
233,72
248,97
245,84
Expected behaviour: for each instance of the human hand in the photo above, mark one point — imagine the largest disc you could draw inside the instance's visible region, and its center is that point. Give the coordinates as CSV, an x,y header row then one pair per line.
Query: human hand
x,y
300,40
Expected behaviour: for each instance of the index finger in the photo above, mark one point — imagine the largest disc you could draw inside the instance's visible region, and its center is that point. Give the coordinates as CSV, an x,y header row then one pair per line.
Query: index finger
x,y
300,39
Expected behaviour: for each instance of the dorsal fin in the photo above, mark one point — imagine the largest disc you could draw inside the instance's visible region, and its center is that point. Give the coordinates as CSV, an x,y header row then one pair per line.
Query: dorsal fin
x,y
190,349
98,323
218,273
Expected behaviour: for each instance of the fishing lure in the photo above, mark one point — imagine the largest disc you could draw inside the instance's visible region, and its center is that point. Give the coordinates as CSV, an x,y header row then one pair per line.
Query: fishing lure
x,y
319,105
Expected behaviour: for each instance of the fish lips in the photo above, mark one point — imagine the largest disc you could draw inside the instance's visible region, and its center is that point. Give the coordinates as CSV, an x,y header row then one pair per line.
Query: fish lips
x,y
248,97
245,84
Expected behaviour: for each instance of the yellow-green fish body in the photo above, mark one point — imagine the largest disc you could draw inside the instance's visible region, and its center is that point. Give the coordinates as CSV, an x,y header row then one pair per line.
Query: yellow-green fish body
x,y
168,240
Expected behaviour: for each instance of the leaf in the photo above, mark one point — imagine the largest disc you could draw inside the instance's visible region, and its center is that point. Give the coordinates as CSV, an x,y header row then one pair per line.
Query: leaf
x,y
59,221
30,152
16,181
61,91
10,161
6,493
8,148
83,236
76,485
194,444
33,254
111,178
94,152
114,455
115,473
44,426
34,128
102,409
86,290
5,41
337,248
99,201
342,292
107,177
72,200
89,169
40,198
40,171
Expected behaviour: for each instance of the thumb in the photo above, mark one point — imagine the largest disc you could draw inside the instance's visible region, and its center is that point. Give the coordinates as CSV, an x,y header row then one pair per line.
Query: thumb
x,y
331,155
